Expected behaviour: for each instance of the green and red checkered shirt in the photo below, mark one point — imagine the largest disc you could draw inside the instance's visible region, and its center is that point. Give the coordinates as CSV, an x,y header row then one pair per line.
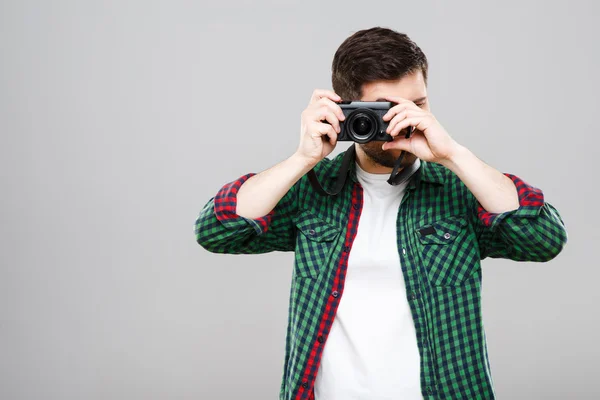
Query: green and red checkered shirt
x,y
442,233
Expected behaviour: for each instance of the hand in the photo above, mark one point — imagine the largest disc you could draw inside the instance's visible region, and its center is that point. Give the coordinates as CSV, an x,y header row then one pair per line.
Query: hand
x,y
429,141
313,148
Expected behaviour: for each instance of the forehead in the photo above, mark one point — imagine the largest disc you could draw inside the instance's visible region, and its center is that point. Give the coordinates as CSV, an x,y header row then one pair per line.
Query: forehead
x,y
410,86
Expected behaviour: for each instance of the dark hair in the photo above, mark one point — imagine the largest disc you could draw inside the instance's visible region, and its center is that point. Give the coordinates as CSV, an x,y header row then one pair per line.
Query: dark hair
x,y
371,55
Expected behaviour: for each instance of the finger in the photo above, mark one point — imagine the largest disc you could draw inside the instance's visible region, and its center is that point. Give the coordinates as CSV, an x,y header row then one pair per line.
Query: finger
x,y
393,111
327,130
323,114
396,99
405,123
396,117
406,113
333,107
320,93
405,104
399,143
393,128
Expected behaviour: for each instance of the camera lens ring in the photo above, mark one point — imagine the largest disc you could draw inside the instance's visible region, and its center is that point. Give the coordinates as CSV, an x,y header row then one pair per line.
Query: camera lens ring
x,y
368,123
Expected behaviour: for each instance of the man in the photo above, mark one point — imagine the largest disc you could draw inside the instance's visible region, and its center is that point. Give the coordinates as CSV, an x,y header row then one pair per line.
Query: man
x,y
385,300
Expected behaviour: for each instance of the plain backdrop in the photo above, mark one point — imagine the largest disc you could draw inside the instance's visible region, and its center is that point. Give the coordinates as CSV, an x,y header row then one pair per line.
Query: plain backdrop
x,y
120,119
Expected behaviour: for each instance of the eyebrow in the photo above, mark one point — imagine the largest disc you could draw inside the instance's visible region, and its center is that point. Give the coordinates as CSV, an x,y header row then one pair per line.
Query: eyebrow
x,y
420,99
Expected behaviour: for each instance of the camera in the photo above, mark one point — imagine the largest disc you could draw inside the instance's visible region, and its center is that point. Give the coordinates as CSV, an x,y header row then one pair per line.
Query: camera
x,y
363,121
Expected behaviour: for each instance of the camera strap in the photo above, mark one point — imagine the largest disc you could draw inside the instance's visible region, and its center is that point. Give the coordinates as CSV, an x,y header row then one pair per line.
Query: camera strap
x,y
349,156
398,178
394,179
401,177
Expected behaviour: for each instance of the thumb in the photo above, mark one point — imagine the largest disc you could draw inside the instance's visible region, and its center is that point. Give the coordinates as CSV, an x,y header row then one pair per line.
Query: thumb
x,y
400,143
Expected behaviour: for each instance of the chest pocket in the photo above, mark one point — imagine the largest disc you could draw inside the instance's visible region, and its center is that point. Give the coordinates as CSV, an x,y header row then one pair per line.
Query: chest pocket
x,y
315,243
448,251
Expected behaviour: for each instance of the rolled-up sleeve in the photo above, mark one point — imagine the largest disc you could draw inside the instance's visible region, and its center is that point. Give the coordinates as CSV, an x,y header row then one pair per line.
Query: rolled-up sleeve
x,y
225,204
534,231
220,229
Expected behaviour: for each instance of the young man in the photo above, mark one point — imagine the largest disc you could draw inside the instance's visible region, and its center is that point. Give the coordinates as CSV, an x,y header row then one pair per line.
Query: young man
x,y
386,287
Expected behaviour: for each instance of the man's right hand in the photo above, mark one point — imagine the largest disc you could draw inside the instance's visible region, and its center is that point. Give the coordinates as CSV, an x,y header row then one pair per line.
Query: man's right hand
x,y
262,192
322,107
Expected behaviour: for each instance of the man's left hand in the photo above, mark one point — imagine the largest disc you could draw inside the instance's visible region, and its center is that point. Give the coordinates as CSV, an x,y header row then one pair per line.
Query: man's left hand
x,y
429,141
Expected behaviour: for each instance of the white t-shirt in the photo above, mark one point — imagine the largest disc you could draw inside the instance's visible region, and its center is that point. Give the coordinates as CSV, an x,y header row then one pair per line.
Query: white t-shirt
x,y
371,351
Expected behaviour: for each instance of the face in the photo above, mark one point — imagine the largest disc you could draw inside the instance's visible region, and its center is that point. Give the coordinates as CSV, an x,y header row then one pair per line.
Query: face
x,y
411,87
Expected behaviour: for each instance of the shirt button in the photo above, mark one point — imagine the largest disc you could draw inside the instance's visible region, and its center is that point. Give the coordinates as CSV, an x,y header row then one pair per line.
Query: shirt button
x,y
335,293
311,232
356,206
304,384
346,249
403,251
429,390
413,295
446,235
320,339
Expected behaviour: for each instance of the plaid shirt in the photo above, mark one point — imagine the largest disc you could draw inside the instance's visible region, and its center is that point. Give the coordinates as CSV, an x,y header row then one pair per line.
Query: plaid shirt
x,y
442,234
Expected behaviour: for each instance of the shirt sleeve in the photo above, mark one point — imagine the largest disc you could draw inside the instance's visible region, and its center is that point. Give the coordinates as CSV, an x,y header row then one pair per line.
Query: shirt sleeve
x,y
219,229
534,231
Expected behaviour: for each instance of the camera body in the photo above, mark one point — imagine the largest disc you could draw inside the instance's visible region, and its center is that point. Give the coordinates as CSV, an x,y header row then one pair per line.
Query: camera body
x,y
364,121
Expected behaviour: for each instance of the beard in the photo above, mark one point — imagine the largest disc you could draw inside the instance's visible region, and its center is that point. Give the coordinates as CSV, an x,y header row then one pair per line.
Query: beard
x,y
386,158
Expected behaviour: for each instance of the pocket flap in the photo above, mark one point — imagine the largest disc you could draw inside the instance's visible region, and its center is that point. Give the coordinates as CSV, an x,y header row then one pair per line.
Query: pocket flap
x,y
442,231
315,228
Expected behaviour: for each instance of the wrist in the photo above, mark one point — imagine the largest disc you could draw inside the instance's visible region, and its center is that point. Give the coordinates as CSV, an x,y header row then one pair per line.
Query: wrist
x,y
456,158
302,162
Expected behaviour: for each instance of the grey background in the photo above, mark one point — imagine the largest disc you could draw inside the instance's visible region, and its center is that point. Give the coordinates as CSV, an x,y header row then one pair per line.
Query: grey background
x,y
120,119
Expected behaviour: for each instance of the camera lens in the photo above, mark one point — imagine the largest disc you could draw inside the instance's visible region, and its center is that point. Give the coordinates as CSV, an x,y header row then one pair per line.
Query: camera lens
x,y
363,126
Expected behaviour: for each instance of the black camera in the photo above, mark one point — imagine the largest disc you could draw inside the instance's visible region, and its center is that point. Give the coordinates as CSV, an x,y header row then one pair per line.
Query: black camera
x,y
363,121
